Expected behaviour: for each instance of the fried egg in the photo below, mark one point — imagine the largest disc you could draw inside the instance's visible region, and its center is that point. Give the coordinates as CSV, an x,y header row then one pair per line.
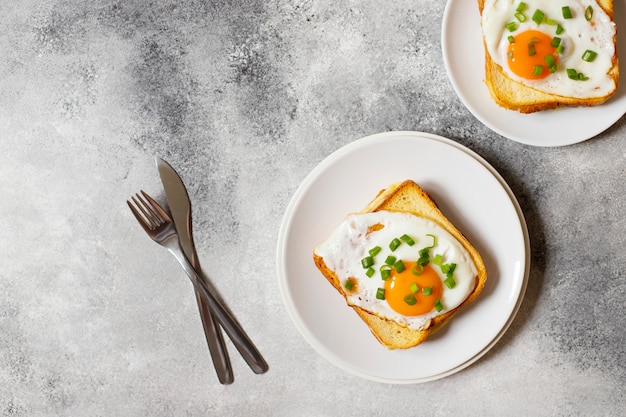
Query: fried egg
x,y
399,266
562,47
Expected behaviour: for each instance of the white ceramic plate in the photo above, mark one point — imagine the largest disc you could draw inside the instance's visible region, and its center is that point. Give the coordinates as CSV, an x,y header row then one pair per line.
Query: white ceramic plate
x,y
464,61
473,196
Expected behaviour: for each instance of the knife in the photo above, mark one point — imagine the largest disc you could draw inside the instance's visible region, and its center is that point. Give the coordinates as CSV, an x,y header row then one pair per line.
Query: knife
x,y
180,208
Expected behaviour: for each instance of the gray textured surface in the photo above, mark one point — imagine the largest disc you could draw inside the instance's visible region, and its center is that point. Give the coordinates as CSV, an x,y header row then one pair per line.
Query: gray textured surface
x,y
244,98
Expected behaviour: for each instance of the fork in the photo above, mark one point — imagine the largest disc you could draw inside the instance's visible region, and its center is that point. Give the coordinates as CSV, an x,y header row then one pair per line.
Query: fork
x,y
160,227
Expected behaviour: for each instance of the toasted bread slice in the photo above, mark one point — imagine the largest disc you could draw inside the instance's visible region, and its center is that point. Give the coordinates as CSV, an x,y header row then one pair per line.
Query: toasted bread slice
x,y
514,95
409,197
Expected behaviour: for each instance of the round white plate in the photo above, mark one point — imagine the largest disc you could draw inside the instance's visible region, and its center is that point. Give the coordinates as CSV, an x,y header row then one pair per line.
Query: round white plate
x,y
464,56
468,191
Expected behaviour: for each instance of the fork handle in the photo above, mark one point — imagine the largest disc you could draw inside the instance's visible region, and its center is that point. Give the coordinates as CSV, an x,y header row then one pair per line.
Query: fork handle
x,y
240,339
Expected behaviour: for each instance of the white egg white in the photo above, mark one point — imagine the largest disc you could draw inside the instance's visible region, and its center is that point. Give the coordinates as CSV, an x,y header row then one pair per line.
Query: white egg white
x,y
578,36
350,242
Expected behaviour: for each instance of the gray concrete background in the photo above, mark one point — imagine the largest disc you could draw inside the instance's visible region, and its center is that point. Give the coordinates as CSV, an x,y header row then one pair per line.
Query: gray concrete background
x,y
244,98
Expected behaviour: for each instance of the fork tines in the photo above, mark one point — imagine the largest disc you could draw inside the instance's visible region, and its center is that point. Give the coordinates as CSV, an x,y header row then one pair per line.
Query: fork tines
x,y
148,217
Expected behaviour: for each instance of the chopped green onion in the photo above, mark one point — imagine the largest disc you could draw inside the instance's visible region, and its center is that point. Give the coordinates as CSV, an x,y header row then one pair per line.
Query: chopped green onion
x,y
349,285
407,239
521,7
393,245
427,290
560,49
434,241
450,282
414,288
521,17
380,294
438,305
572,74
367,262
375,250
559,29
385,272
511,39
410,299
537,70
370,272
390,260
589,56
551,22
399,265
531,49
511,26
567,12
448,269
538,16
588,13
550,61
552,69
438,260
418,269
575,75
556,41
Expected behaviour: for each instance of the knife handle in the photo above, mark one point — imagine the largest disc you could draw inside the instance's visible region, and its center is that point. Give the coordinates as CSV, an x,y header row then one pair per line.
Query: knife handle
x,y
215,340
240,339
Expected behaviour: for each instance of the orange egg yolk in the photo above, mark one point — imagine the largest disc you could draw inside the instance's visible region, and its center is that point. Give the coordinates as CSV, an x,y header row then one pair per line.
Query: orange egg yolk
x,y
529,50
399,286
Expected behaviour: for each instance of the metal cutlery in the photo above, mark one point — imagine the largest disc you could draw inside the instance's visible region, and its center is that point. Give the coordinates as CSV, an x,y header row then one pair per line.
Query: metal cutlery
x,y
160,227
180,209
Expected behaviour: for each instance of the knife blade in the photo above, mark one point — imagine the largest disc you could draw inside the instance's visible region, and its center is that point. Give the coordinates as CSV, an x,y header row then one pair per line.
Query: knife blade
x,y
180,208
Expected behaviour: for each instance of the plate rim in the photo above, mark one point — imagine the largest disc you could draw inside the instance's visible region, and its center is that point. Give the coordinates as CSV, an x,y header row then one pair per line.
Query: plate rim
x,y
288,219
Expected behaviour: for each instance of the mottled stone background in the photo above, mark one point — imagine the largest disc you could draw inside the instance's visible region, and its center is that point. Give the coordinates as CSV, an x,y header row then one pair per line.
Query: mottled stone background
x,y
244,98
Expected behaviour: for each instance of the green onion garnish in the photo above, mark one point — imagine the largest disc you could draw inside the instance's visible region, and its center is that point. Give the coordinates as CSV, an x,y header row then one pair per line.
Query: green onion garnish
x,y
450,282
434,241
414,288
390,260
550,61
427,290
393,245
367,262
511,39
588,13
537,70
349,285
551,22
538,16
370,272
407,239
531,49
375,250
559,29
399,265
511,26
438,260
575,75
438,305
521,7
380,294
559,49
556,41
521,17
589,56
385,272
567,12
410,299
